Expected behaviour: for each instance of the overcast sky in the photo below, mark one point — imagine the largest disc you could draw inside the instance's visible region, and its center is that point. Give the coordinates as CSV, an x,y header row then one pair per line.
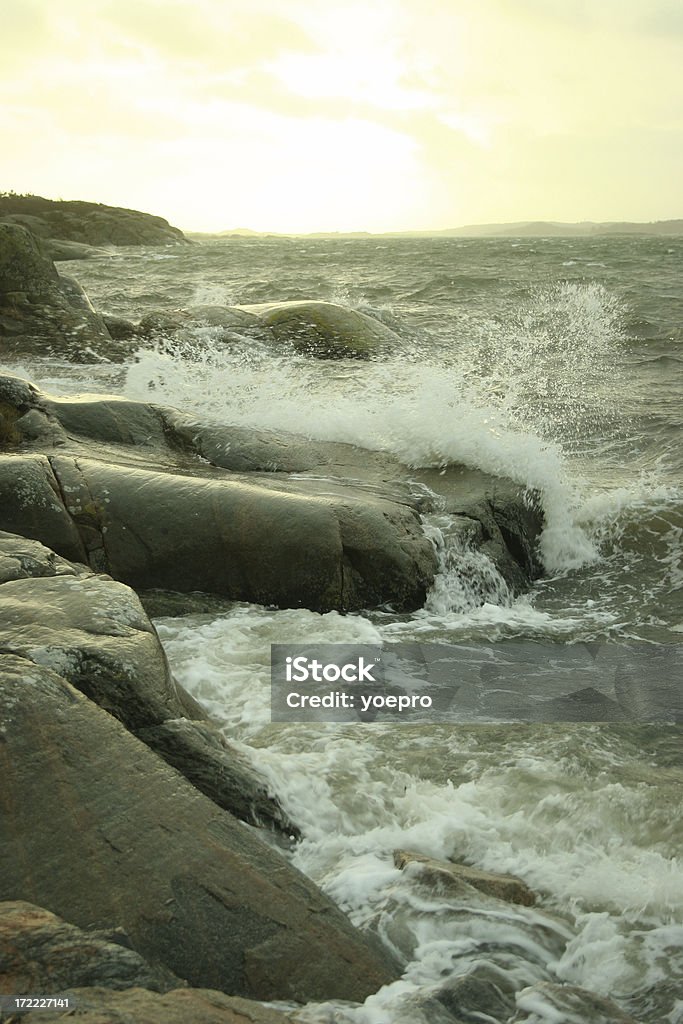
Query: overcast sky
x,y
325,115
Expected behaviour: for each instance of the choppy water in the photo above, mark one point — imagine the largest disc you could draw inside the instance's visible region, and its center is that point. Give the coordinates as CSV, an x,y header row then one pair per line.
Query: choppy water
x,y
558,363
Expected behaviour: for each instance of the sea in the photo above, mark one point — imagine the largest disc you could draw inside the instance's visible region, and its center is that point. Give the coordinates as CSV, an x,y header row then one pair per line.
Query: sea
x,y
558,363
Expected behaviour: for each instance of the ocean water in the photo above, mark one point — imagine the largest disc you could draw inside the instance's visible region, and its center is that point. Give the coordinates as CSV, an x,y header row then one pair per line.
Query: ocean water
x,y
559,363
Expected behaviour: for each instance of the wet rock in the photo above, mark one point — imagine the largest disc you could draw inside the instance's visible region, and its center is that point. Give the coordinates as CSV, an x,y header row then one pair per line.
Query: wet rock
x,y
41,953
102,832
94,632
218,770
494,515
421,1009
120,328
40,312
473,997
31,503
58,249
181,1006
325,329
546,1003
165,323
461,878
22,559
290,547
152,500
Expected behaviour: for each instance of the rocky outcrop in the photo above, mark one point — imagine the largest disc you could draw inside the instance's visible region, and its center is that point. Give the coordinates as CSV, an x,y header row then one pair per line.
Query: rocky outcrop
x,y
41,312
94,632
325,329
188,526
99,830
39,952
92,224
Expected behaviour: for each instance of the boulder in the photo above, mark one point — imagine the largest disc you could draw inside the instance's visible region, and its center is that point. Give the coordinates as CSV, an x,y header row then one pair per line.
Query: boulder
x,y
99,830
139,1006
166,322
485,991
166,501
325,329
58,249
31,504
41,953
546,1002
199,752
23,559
493,515
94,632
42,313
460,879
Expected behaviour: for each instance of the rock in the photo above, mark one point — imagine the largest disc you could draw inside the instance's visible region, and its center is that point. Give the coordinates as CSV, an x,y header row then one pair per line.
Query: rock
x,y
151,502
461,879
138,1006
31,502
164,323
419,1009
93,632
495,516
218,770
23,559
119,328
547,1003
58,249
88,223
486,991
41,953
99,830
325,329
40,312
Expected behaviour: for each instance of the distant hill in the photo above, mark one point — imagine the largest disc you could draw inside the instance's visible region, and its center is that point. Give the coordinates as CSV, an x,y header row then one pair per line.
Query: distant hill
x,y
90,224
545,229
520,229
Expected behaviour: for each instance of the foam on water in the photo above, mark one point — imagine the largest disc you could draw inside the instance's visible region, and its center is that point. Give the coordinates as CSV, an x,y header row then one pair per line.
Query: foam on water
x,y
570,810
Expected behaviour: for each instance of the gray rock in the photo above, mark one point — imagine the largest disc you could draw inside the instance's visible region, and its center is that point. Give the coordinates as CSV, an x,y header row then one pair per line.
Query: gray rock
x,y
31,503
119,328
23,559
100,831
199,752
181,1006
93,632
343,533
59,249
461,878
474,996
547,1003
325,329
41,953
40,312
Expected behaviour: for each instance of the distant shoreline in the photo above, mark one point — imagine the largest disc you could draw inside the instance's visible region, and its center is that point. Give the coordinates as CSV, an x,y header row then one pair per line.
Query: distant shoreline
x,y
517,229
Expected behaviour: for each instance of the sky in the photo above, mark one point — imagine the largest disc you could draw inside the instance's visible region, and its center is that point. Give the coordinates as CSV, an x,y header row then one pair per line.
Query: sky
x,y
320,115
